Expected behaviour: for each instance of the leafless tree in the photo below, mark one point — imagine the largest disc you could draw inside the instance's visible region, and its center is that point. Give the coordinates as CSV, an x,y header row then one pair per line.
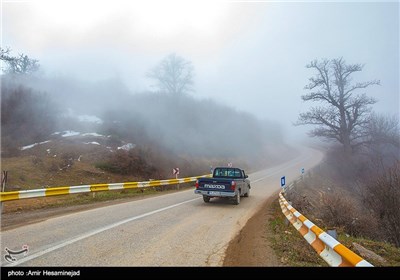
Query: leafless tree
x,y
27,116
5,54
20,64
5,57
173,75
382,197
382,146
346,114
384,130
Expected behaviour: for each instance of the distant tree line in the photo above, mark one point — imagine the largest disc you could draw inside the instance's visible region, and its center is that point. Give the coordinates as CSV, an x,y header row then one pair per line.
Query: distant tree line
x,y
27,117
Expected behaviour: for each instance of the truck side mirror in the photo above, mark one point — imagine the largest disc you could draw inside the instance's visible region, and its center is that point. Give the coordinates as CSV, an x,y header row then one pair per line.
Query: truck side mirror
x,y
246,176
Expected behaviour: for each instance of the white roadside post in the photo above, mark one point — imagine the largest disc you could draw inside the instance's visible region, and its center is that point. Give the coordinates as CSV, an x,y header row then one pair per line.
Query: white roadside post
x,y
176,172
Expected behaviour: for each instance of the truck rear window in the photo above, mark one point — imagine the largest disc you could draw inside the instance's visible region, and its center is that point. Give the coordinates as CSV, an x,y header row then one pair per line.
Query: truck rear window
x,y
228,172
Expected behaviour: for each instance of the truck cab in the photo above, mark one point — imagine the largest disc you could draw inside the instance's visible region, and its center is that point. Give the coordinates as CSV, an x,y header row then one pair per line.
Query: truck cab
x,y
227,182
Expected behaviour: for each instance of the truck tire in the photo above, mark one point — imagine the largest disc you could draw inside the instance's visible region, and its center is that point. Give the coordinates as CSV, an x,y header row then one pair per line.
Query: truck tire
x,y
248,193
206,198
237,199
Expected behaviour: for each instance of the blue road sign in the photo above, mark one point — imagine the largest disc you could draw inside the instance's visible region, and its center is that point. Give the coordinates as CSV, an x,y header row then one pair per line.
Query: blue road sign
x,y
283,179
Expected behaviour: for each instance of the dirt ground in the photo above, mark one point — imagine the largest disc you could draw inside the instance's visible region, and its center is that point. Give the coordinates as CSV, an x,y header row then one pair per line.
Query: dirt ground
x,y
250,248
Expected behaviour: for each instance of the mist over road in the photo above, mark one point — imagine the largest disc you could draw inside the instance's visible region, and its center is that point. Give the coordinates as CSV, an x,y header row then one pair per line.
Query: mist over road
x,y
176,229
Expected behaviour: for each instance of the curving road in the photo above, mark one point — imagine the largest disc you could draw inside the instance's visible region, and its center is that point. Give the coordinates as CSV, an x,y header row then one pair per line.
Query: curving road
x,y
176,229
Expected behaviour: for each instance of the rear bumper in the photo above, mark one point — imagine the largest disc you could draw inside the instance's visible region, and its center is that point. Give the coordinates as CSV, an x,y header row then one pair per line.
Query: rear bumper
x,y
215,193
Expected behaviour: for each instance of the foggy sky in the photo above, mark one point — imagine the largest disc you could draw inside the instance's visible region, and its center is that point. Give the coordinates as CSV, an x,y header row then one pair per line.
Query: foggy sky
x,y
248,55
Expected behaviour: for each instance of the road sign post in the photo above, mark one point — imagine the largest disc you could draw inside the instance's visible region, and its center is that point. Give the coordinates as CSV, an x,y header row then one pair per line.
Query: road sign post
x,y
176,172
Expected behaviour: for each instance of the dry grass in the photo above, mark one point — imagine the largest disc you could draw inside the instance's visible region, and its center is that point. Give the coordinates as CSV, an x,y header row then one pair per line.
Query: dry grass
x,y
387,251
331,206
291,248
38,168
24,173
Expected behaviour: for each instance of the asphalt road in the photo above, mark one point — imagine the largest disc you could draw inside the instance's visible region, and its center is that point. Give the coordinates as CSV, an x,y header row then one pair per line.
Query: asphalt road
x,y
176,229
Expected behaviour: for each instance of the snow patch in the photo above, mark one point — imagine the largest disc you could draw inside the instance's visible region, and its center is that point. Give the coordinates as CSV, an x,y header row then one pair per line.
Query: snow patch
x,y
89,118
33,145
83,118
127,147
93,143
67,133
92,134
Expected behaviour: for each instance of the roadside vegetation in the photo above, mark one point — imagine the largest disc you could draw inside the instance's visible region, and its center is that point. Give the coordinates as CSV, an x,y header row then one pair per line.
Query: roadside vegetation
x,y
290,247
362,207
294,251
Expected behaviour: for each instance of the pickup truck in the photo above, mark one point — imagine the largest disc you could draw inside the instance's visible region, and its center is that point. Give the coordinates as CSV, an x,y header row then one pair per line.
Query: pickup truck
x,y
227,182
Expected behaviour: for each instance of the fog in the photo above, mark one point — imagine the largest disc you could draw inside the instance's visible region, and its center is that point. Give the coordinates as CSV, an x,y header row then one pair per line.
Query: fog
x,y
248,56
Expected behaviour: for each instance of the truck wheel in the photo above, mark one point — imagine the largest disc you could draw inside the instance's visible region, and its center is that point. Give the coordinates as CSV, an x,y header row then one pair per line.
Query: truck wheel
x,y
206,198
237,199
248,193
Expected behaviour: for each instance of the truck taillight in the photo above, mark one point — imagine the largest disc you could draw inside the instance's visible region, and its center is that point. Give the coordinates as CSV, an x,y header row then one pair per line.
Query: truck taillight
x,y
233,185
197,184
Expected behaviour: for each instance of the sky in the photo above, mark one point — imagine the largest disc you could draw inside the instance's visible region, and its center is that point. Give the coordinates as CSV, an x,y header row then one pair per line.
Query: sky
x,y
250,55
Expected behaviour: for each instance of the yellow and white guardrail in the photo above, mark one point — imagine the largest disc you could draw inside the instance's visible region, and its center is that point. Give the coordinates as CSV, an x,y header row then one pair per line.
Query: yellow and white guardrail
x,y
328,248
15,195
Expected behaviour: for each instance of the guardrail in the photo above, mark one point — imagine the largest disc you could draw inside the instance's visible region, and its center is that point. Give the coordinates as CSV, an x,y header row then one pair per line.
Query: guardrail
x,y
328,248
16,195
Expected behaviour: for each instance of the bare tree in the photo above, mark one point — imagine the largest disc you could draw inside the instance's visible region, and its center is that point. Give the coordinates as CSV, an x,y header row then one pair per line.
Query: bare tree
x,y
382,197
346,116
173,75
382,147
26,116
5,57
5,54
21,64
384,130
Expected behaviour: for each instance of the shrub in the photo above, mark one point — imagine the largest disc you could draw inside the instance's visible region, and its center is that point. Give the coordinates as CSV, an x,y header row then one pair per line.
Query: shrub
x,y
127,163
382,196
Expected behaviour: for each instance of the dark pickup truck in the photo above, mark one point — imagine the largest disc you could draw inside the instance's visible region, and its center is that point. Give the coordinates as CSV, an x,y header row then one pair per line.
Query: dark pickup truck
x,y
228,182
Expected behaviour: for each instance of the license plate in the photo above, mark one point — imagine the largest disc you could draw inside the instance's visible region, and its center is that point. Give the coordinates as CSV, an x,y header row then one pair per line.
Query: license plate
x,y
213,193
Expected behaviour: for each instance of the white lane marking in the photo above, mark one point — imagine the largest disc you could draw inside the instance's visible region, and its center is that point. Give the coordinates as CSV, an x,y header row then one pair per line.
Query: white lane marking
x,y
89,234
280,170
